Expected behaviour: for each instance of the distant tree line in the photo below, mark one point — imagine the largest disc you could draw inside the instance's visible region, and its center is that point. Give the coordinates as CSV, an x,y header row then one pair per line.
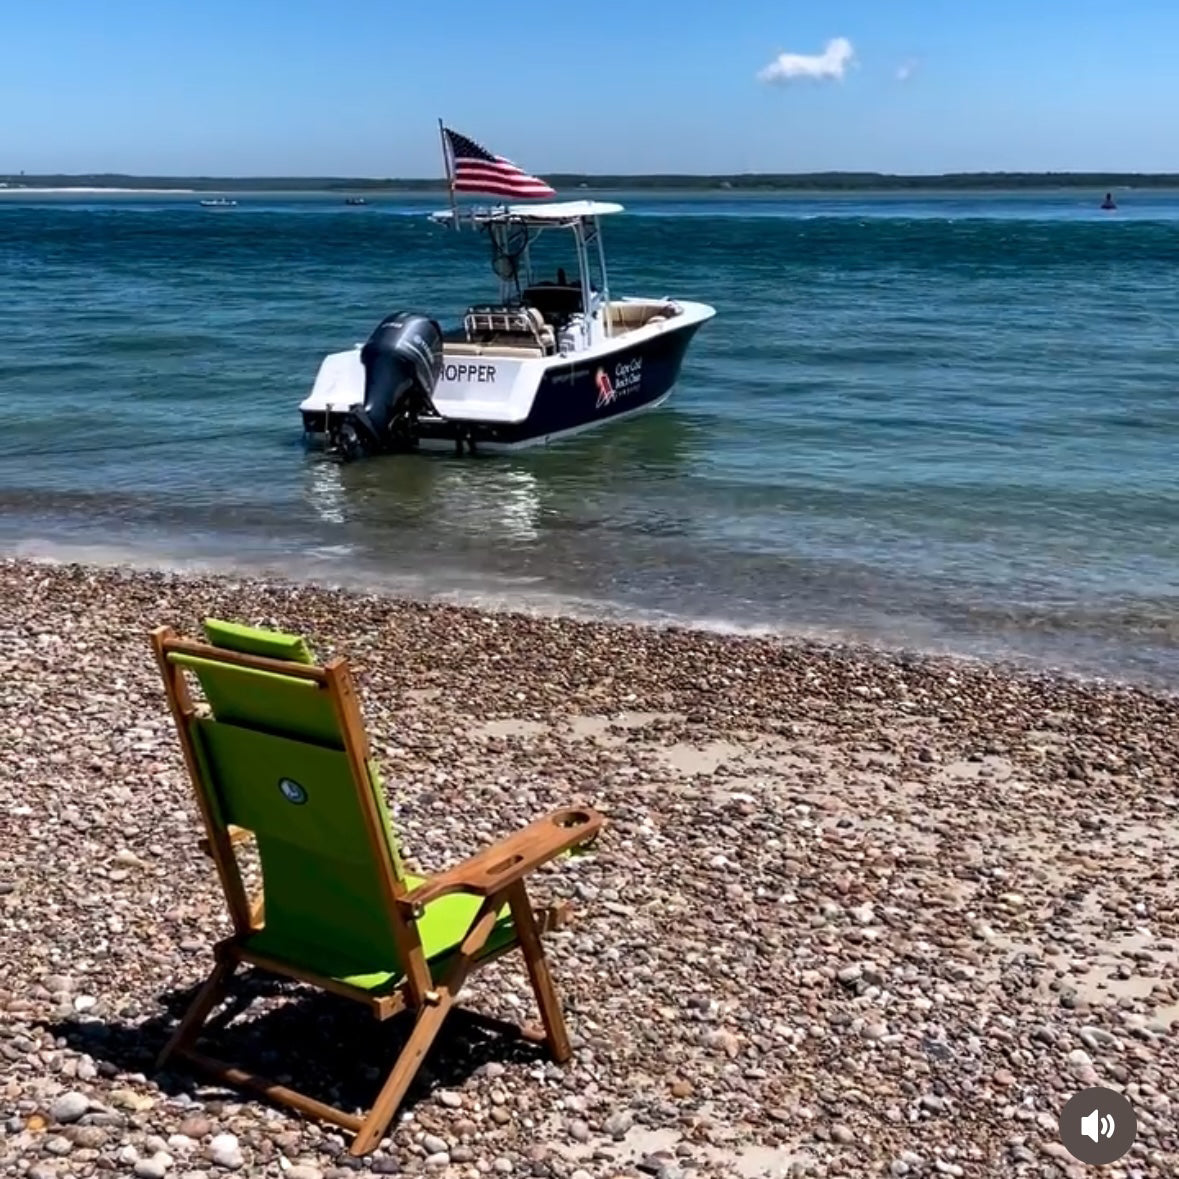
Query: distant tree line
x,y
563,181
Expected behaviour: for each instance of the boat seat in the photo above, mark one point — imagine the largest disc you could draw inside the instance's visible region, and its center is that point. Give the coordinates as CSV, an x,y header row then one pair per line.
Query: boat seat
x,y
627,317
517,321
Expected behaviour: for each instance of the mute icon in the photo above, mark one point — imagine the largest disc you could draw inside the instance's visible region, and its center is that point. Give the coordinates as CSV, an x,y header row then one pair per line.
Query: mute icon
x,y
1098,1126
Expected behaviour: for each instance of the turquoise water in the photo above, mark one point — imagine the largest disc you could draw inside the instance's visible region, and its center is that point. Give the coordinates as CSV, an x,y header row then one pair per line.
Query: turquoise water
x,y
943,422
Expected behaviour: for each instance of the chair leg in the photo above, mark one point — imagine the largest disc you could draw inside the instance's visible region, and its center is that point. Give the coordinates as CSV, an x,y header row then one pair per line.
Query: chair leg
x,y
210,994
425,1029
538,972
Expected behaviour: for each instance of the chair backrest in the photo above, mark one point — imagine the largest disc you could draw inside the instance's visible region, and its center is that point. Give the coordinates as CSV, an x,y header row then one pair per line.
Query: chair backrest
x,y
282,753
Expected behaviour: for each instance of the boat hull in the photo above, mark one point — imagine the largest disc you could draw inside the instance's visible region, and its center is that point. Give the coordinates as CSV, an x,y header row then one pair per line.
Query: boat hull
x,y
577,394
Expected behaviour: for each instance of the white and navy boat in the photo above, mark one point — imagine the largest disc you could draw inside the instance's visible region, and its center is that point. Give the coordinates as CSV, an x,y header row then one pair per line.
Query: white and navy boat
x,y
550,359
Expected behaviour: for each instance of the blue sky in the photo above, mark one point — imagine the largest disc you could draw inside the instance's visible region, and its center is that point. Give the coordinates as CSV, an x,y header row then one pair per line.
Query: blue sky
x,y
354,87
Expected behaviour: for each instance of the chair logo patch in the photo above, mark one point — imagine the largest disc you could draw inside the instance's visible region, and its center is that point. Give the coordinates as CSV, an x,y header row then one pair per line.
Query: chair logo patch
x,y
292,791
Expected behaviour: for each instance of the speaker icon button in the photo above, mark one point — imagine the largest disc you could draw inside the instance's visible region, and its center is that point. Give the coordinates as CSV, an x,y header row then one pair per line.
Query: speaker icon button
x,y
1098,1126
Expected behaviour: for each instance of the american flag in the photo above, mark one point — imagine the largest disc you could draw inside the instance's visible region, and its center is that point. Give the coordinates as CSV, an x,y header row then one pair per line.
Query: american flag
x,y
475,169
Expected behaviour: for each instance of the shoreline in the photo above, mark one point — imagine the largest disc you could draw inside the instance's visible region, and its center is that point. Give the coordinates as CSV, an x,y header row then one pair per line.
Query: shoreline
x,y
93,190
361,586
851,915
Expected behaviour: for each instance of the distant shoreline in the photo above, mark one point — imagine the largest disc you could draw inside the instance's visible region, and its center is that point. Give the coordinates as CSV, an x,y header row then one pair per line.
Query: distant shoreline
x,y
95,183
84,190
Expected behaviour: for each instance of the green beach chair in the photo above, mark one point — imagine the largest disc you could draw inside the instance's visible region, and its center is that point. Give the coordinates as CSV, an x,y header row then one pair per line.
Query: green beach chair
x,y
280,752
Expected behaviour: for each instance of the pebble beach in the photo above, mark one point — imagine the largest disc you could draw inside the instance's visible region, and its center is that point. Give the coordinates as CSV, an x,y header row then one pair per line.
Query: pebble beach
x,y
853,914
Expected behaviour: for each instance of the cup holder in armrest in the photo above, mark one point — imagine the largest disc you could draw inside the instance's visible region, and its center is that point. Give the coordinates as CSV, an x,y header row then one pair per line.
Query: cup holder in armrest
x,y
570,817
504,865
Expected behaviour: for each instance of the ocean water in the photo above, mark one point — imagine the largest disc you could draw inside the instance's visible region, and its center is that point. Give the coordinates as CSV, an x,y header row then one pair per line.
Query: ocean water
x,y
939,422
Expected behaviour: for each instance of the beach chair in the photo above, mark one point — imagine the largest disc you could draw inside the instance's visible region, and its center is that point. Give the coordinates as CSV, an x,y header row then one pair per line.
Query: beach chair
x,y
280,752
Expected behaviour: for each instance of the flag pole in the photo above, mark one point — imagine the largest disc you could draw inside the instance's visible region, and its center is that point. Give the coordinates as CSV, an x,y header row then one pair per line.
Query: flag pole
x,y
449,175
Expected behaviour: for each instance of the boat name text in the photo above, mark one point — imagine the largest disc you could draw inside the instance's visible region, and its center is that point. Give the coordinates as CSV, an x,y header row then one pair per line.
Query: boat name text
x,y
471,374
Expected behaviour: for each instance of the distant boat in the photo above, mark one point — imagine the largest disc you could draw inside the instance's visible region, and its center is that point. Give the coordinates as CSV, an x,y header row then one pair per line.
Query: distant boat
x,y
355,201
1109,202
218,203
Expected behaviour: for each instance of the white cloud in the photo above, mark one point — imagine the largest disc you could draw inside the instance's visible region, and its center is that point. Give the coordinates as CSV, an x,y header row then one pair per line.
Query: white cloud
x,y
906,70
831,64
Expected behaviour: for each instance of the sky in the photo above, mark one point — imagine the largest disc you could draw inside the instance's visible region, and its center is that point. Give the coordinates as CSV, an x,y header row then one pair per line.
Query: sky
x,y
355,87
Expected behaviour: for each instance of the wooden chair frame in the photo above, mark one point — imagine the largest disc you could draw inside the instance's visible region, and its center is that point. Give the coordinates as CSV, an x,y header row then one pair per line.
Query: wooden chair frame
x,y
497,875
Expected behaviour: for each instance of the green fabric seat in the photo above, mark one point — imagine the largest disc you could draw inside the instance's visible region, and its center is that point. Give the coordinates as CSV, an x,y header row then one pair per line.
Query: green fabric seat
x,y
272,761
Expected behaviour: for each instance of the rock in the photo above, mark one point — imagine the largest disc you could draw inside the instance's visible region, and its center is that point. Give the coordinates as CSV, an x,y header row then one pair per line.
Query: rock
x,y
195,1126
69,1107
304,1171
224,1151
441,1159
155,1167
1095,1039
88,1137
432,1144
129,1099
618,1123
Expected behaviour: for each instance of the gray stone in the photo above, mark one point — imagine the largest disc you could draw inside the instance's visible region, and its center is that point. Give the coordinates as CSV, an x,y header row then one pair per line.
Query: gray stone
x,y
69,1107
618,1123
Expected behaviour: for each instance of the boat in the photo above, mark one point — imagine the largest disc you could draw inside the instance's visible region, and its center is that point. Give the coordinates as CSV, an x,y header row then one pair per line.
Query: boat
x,y
549,359
355,201
218,203
1109,202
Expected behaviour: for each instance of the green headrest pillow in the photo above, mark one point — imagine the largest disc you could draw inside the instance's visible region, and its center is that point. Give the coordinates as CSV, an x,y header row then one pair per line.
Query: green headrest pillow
x,y
253,640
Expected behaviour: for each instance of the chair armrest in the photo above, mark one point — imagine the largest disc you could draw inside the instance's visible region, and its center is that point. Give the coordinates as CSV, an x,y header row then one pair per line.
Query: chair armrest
x,y
511,859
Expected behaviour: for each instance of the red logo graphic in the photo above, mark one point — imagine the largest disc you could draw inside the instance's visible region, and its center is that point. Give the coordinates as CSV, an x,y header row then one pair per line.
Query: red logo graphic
x,y
606,392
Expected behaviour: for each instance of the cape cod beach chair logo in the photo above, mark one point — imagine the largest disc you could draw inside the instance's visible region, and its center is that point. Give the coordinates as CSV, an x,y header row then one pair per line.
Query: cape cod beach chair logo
x,y
292,791
626,380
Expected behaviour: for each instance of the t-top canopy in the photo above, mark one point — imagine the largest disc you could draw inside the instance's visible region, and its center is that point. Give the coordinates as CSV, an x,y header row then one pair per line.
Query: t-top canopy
x,y
557,213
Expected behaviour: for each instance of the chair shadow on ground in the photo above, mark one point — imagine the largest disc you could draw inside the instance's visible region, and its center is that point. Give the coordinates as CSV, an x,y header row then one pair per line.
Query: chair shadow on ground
x,y
320,1044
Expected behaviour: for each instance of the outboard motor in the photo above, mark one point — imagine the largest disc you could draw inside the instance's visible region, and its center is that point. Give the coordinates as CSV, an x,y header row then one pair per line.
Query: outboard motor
x,y
402,361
